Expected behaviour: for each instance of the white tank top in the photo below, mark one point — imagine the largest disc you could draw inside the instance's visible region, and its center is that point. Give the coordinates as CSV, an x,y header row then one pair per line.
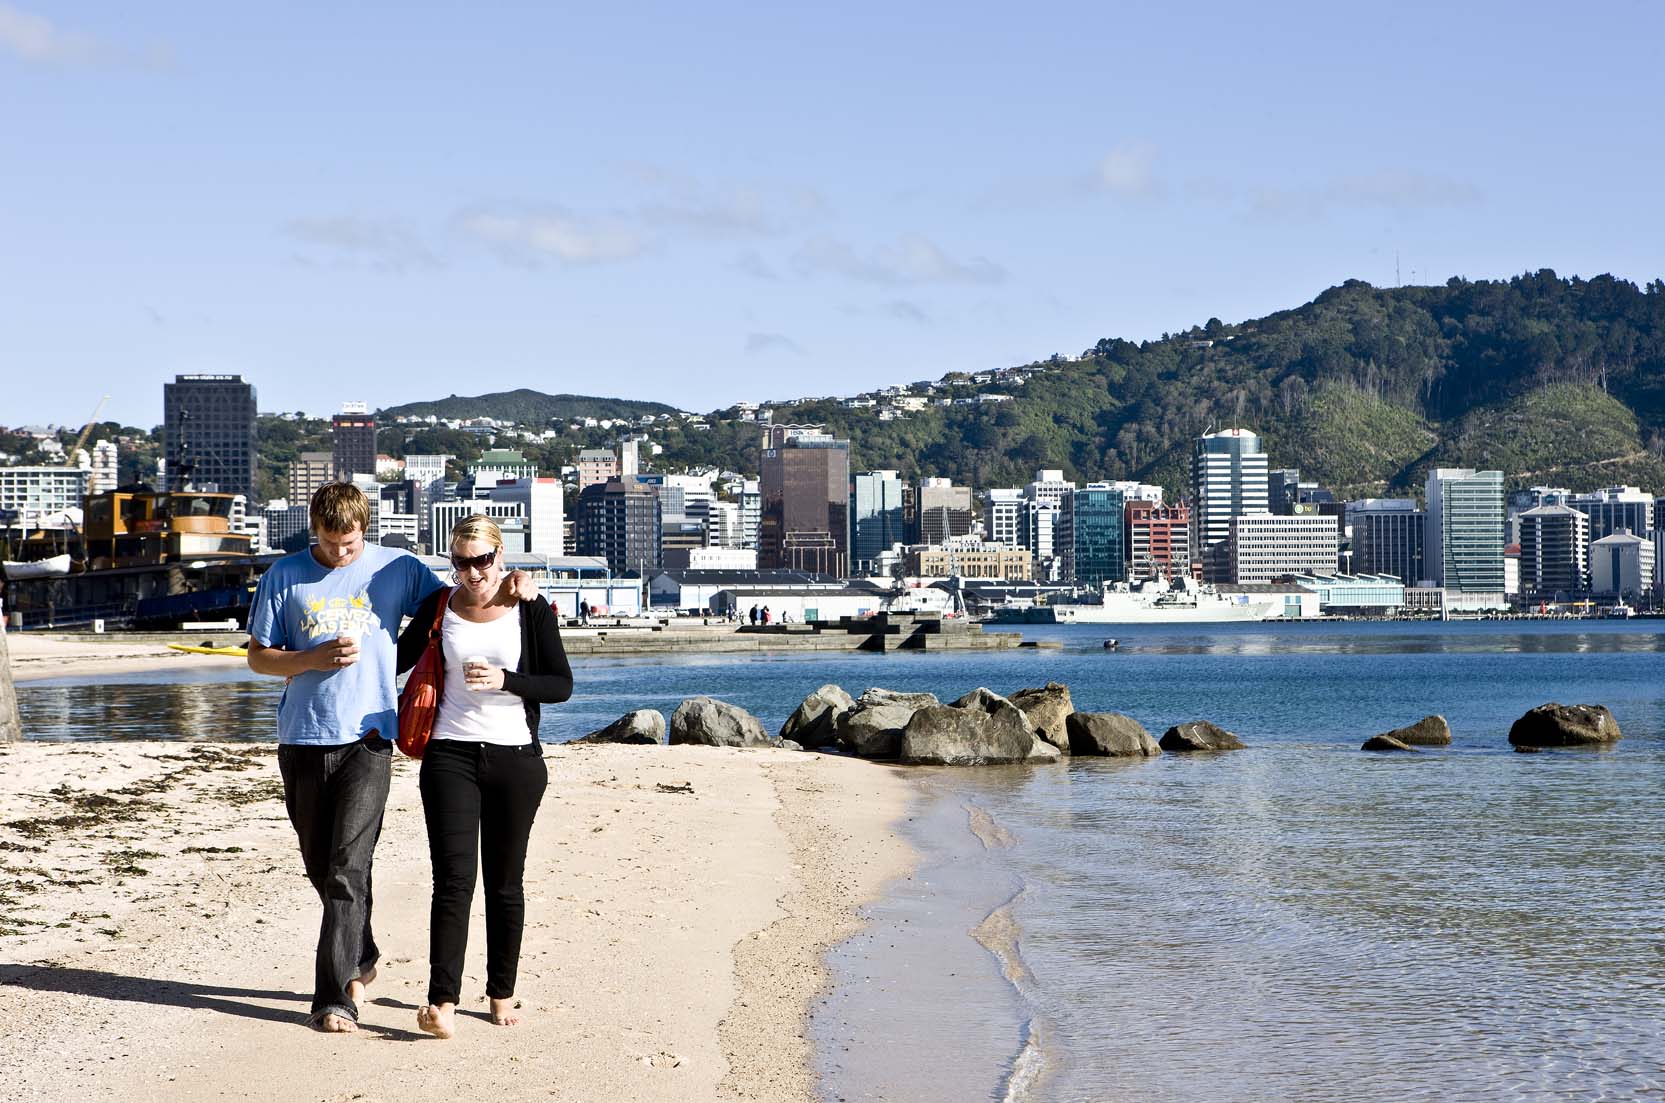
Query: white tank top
x,y
487,715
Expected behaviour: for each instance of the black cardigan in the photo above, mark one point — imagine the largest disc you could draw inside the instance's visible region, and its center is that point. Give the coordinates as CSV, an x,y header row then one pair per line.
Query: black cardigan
x,y
543,675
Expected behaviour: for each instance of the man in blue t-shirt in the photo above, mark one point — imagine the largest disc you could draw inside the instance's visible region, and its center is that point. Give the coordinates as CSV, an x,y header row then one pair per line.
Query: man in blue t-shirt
x,y
327,619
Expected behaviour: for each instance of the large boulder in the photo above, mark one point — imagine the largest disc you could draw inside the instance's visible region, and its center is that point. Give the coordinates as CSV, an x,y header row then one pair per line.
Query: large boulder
x,y
1386,743
1048,708
814,723
1430,731
986,730
1554,725
1109,734
873,728
1199,735
712,723
641,726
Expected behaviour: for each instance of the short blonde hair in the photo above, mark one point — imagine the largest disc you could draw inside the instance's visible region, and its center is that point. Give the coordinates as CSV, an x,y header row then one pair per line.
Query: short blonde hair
x,y
339,507
477,526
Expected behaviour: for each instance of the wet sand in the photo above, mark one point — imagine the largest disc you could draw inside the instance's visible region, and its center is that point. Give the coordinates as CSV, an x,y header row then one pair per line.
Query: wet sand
x,y
156,931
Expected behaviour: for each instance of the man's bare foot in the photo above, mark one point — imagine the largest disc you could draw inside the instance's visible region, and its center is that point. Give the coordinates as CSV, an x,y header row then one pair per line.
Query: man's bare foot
x,y
356,986
334,1024
503,1012
438,1019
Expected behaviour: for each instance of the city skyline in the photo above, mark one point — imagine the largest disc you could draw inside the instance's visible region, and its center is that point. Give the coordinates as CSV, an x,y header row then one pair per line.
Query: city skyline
x,y
730,207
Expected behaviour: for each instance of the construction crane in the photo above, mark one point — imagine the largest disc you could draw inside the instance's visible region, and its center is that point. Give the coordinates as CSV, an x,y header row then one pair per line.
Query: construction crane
x,y
69,453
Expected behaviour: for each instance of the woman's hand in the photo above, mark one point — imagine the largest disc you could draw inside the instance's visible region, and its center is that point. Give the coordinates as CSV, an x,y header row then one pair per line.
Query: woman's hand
x,y
479,676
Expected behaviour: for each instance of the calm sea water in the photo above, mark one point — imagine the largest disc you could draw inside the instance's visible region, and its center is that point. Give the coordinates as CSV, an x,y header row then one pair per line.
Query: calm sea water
x,y
1298,921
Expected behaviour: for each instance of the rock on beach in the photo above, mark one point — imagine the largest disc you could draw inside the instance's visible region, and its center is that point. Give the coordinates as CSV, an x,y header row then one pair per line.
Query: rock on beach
x,y
643,726
980,729
814,723
873,728
712,723
1554,725
1386,743
1200,735
1048,708
1110,734
1430,731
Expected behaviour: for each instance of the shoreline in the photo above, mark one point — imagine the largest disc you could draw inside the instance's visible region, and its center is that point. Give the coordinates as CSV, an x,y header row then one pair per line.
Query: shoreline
x,y
157,931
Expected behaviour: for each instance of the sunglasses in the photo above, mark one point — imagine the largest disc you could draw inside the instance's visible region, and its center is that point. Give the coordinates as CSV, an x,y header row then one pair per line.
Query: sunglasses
x,y
473,562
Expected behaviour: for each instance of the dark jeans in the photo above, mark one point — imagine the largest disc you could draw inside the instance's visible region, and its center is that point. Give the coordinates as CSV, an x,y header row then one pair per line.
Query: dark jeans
x,y
335,797
479,800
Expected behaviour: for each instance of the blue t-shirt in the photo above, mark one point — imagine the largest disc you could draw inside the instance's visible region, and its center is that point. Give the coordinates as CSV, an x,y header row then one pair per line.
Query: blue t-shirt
x,y
301,603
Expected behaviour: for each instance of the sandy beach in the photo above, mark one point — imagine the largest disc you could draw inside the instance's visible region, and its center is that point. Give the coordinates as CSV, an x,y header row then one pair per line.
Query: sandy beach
x,y
156,930
35,657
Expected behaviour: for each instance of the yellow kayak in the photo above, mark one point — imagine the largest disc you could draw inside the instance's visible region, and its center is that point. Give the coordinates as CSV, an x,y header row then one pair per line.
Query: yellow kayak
x,y
240,652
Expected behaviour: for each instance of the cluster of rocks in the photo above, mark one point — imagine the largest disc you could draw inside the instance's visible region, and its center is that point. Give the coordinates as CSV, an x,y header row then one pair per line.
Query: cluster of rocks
x,y
1039,724
1550,725
982,728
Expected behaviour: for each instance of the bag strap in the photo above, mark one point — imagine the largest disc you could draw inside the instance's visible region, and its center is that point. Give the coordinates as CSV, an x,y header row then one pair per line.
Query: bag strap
x,y
439,613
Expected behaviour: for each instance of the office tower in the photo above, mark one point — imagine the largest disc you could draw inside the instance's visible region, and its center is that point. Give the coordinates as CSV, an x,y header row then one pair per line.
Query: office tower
x,y
208,427
1614,509
355,442
619,521
499,465
104,467
307,472
1158,539
875,516
541,502
1003,517
510,518
1554,546
427,472
1228,478
1283,490
629,458
1462,543
722,527
1387,537
943,511
751,513
678,538
806,501
596,466
1622,564
1091,533
34,492
1264,546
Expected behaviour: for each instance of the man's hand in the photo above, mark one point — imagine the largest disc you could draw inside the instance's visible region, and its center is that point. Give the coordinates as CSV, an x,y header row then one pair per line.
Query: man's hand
x,y
334,655
517,586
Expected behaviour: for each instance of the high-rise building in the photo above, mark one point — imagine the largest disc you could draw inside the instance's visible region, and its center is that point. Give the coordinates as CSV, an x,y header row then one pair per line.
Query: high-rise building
x,y
943,511
722,526
875,516
354,433
500,465
1462,543
1622,564
1387,537
1615,508
208,427
596,466
1003,516
33,492
751,513
307,472
1554,546
510,518
105,467
619,521
1264,546
1158,539
540,498
629,457
806,501
1228,479
1091,531
427,471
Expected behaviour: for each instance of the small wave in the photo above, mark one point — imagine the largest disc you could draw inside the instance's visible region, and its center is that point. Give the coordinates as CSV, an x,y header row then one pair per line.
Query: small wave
x,y
988,830
1000,934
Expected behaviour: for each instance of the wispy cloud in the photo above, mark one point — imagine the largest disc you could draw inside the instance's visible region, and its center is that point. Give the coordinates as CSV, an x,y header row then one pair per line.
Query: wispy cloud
x,y
1129,171
759,343
554,234
1402,190
911,260
904,311
752,263
383,245
37,40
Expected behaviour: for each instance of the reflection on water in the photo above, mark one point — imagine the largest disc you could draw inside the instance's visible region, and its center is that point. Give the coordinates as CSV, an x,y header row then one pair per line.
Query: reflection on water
x,y
178,708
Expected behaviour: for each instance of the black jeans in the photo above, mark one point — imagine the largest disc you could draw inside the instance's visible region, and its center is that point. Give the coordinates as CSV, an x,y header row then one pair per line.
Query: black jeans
x,y
335,797
479,800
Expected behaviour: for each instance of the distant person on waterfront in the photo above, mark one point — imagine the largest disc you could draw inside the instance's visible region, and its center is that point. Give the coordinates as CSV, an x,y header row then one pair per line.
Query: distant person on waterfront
x,y
753,615
325,619
483,774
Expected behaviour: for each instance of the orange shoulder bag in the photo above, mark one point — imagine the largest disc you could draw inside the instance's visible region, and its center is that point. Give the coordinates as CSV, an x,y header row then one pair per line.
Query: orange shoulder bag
x,y
419,701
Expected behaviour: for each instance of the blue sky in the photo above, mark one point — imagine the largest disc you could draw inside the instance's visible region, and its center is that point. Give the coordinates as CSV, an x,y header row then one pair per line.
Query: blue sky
x,y
699,204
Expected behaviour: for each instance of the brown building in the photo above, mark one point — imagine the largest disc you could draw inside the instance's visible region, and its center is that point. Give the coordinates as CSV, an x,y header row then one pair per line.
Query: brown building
x,y
972,560
355,443
805,484
1158,539
307,472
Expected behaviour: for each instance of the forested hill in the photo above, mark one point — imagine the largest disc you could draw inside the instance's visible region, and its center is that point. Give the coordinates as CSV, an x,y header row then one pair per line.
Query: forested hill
x,y
527,407
1552,380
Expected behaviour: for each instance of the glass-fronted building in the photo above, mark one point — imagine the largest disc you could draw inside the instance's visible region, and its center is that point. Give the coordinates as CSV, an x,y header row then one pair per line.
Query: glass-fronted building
x,y
875,515
1462,546
1091,535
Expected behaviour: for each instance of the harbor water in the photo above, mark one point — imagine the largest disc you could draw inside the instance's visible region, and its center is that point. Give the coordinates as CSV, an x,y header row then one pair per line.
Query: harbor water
x,y
1296,921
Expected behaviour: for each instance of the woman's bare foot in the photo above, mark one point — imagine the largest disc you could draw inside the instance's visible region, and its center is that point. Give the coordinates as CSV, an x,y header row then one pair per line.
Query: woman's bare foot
x,y
356,986
438,1019
334,1024
503,1012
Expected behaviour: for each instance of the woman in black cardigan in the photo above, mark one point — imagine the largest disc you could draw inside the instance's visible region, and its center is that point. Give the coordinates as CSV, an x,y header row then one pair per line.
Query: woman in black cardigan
x,y
483,774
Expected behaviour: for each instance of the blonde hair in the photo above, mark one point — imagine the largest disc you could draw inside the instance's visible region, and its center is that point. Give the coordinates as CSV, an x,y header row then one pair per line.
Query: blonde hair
x,y
477,526
339,507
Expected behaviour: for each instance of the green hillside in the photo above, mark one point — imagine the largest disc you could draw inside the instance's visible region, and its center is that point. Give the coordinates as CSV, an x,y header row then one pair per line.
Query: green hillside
x,y
527,407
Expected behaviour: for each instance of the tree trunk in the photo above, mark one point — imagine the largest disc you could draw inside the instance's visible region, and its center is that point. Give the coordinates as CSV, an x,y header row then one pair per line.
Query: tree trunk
x,y
11,728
